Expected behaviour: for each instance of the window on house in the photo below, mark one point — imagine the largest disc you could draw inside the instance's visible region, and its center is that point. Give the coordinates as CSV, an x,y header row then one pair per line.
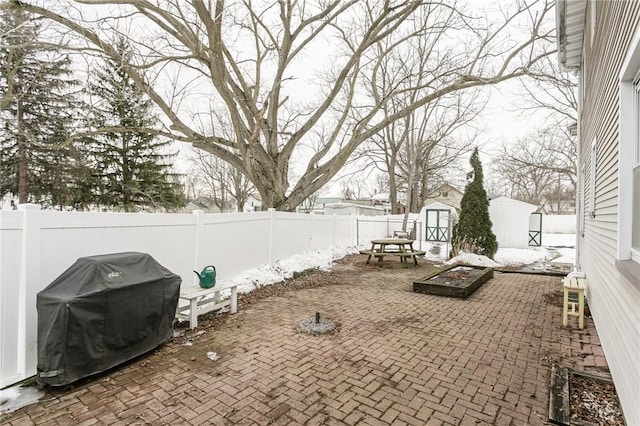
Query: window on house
x,y
445,194
635,215
628,256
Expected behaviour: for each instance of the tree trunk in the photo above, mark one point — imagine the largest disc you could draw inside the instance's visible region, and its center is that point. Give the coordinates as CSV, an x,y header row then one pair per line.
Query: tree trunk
x,y
23,161
393,190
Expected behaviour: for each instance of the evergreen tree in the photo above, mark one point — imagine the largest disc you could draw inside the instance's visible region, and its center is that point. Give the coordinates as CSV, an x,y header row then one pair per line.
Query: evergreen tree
x,y
473,231
39,105
132,169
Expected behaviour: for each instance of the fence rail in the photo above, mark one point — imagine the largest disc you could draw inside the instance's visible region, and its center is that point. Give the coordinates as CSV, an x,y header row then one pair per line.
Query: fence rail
x,y
36,246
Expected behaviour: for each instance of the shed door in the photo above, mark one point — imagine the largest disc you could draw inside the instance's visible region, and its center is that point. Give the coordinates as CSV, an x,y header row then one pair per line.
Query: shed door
x,y
437,221
535,229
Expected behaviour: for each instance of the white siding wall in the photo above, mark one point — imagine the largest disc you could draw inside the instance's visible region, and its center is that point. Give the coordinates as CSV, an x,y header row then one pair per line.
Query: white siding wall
x,y
614,301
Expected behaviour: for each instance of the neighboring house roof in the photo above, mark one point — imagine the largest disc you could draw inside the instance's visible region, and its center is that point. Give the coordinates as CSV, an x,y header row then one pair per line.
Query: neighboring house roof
x,y
446,194
570,17
445,187
381,196
319,201
194,204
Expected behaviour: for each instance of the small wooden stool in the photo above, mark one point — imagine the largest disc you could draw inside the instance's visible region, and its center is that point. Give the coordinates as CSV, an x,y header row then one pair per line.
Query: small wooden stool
x,y
574,283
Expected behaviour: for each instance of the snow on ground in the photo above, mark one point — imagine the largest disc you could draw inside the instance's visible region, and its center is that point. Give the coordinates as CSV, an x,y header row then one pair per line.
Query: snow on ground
x,y
559,240
567,255
473,259
17,397
557,248
514,256
283,269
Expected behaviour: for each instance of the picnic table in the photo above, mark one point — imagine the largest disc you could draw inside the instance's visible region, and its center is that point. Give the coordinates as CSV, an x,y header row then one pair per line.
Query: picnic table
x,y
401,247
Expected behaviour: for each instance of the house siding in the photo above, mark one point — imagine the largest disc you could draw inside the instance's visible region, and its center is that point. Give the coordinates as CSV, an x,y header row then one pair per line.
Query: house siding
x,y
614,301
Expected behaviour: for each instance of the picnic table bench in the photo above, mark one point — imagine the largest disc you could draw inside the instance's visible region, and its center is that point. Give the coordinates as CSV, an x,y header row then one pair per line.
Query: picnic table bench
x,y
203,300
379,249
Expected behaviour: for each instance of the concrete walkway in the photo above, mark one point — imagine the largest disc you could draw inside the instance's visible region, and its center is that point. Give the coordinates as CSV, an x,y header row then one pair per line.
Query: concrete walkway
x,y
398,358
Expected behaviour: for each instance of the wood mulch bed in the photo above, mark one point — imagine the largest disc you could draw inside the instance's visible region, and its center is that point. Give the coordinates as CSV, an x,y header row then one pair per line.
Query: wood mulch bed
x,y
594,402
591,401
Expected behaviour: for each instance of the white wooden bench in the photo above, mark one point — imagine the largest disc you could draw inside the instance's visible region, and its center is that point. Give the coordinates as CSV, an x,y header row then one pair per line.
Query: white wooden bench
x,y
203,300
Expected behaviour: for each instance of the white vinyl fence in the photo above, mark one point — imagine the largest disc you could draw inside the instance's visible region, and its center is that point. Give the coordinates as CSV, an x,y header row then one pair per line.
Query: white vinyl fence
x,y
36,246
559,224
372,227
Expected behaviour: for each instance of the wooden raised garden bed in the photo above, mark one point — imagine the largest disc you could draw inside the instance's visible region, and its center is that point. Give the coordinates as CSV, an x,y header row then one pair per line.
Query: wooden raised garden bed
x,y
454,281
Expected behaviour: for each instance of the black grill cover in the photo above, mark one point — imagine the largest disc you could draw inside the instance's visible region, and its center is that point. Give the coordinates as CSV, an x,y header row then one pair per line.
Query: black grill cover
x,y
102,311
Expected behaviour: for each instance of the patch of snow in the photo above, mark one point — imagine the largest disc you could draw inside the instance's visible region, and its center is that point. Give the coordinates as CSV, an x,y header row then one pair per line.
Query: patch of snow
x,y
473,259
284,269
559,240
514,256
213,356
16,397
567,255
435,251
557,249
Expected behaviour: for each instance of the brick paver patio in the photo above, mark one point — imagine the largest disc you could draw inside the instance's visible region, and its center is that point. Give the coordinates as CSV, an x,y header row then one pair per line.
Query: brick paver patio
x,y
398,358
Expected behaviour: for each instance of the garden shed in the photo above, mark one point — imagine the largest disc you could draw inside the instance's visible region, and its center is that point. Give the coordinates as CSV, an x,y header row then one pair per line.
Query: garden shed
x,y
510,220
438,218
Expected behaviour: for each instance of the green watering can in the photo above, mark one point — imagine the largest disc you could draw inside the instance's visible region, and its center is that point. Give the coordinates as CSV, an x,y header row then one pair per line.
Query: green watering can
x,y
207,277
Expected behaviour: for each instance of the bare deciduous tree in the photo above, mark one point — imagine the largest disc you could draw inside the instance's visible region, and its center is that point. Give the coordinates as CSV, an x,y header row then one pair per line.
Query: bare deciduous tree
x,y
223,182
552,91
542,167
437,144
245,57
308,204
357,187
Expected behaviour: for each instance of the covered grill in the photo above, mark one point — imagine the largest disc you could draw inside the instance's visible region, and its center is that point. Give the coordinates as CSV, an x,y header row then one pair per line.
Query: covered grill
x,y
102,311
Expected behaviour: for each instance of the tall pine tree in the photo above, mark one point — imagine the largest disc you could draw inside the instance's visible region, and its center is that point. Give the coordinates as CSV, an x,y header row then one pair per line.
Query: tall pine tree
x,y
132,168
473,231
38,111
